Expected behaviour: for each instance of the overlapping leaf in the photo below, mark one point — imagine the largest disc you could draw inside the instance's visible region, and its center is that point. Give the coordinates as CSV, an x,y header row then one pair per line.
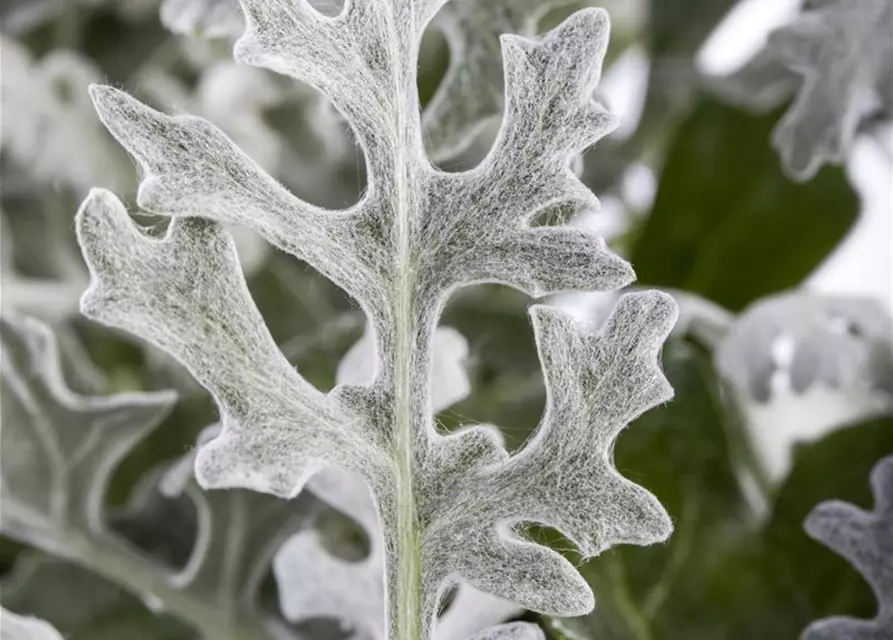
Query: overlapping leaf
x,y
451,506
59,448
828,360
471,92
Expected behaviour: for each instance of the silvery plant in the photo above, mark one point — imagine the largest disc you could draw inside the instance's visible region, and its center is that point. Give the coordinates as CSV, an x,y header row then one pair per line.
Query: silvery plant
x,y
462,535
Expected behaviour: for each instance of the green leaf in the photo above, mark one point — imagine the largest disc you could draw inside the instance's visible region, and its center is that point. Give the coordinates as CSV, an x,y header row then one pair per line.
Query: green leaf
x,y
727,224
683,453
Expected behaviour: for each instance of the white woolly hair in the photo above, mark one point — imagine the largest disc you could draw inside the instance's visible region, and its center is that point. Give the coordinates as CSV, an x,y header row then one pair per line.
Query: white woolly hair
x,y
451,506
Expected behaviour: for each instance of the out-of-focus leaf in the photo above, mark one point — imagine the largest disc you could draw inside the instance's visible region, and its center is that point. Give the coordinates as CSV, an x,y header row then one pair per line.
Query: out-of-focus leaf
x,y
673,33
800,365
835,341
778,580
59,449
239,534
207,18
217,18
684,454
58,453
48,121
82,605
676,29
52,296
838,58
727,224
865,539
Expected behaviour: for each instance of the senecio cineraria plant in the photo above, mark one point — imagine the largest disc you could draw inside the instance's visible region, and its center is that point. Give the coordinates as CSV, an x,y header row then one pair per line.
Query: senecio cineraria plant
x,y
452,507
449,504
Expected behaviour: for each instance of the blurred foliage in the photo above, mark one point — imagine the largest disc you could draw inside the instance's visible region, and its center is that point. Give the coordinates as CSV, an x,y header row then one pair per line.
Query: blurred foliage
x,y
727,223
766,580
84,606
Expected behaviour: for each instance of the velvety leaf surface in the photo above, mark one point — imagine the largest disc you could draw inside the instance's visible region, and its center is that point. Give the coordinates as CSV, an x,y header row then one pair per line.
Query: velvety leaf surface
x,y
685,454
727,223
452,505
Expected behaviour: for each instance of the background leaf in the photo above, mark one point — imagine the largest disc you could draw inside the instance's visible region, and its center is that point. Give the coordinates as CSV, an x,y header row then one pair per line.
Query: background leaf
x,y
727,224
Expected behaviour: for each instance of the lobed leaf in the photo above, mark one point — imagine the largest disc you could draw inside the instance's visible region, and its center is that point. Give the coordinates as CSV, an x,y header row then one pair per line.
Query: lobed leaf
x,y
865,539
450,505
837,57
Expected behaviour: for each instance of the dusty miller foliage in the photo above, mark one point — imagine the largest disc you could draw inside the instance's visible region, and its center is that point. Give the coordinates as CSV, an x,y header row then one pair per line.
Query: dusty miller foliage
x,y
836,60
467,97
865,539
452,507
315,583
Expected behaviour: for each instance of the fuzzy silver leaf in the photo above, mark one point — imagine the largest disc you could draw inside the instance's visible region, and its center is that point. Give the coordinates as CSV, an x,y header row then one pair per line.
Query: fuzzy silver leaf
x,y
865,539
450,506
837,57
